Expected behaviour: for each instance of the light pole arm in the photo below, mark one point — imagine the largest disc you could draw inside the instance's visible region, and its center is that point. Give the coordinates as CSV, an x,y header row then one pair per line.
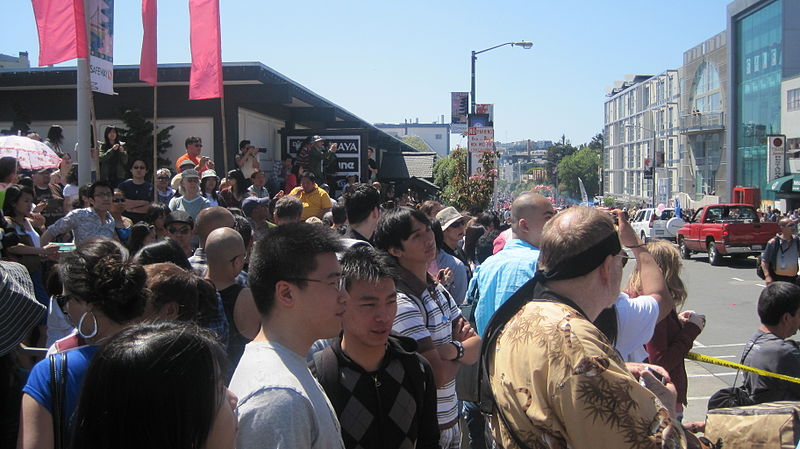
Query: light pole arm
x,y
523,44
475,53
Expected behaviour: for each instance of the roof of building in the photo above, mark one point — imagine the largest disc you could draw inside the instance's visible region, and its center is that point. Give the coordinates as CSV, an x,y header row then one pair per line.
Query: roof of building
x,y
407,165
271,86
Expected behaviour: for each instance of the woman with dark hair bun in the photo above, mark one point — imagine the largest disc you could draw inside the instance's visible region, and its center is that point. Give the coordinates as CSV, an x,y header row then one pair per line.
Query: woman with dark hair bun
x,y
157,386
103,294
166,250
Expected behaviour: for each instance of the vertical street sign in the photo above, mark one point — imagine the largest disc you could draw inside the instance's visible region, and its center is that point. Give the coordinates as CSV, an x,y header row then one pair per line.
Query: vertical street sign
x,y
776,156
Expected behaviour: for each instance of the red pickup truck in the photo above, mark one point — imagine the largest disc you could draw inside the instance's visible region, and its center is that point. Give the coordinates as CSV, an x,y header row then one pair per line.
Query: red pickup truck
x,y
725,229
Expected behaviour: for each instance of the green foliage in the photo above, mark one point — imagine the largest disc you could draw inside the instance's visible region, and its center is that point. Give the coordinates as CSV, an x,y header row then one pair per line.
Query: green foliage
x,y
584,163
597,143
417,143
555,154
460,190
138,138
609,201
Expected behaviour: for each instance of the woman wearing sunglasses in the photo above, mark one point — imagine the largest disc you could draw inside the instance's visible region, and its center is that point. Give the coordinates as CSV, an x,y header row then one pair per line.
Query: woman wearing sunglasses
x,y
102,295
122,224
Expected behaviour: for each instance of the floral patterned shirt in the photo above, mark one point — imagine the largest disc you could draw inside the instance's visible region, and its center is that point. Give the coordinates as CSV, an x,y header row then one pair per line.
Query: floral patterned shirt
x,y
561,384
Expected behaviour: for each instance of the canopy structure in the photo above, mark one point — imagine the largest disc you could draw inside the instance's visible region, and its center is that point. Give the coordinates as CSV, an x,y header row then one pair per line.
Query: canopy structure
x,y
786,184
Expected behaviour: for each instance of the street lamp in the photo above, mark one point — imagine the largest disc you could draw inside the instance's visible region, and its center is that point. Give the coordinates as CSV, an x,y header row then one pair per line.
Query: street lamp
x,y
653,159
524,44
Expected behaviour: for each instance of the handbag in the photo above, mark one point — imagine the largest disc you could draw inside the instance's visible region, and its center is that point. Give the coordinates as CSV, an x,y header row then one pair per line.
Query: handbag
x,y
732,396
58,392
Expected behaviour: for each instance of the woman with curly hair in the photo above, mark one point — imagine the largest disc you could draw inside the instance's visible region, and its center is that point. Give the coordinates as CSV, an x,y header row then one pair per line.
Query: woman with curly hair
x,y
103,294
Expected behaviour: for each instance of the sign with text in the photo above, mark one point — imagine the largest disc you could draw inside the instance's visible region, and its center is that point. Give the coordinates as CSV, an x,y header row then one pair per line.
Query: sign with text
x,y
459,108
481,140
348,155
101,50
488,109
776,156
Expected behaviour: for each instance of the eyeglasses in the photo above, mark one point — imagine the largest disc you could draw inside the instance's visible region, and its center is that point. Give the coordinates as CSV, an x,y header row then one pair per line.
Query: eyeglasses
x,y
338,284
62,301
625,259
103,195
119,200
182,230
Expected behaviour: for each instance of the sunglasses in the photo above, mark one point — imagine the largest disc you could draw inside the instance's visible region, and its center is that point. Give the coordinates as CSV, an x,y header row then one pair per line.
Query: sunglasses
x,y
181,231
625,259
119,200
163,178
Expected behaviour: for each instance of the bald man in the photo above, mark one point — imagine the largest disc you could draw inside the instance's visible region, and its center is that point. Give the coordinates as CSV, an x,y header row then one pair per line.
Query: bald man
x,y
208,220
225,252
499,276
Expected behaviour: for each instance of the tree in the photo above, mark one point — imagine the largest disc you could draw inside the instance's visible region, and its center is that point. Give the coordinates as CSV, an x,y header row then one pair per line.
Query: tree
x,y
417,143
138,138
555,153
598,142
584,163
464,192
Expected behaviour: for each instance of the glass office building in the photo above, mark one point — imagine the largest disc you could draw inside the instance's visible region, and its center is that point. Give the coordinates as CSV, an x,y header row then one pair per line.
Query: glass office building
x,y
758,62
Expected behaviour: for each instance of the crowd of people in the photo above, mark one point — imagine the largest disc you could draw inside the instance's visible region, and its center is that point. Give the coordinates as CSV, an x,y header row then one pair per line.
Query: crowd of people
x,y
260,312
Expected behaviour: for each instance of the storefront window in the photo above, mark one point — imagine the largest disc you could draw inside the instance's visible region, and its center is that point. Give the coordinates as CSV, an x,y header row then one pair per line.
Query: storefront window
x,y
758,92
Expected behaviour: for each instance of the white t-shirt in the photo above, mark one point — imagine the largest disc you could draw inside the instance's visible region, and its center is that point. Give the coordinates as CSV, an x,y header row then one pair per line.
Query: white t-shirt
x,y
280,402
636,321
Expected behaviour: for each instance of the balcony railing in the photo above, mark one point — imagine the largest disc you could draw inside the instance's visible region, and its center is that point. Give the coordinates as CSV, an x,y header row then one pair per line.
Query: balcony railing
x,y
702,123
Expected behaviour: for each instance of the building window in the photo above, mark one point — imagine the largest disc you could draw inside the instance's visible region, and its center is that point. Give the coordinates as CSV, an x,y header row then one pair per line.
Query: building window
x,y
793,100
438,137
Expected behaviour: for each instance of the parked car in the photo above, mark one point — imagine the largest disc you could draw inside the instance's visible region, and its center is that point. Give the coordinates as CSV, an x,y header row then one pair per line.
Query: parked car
x,y
649,224
725,229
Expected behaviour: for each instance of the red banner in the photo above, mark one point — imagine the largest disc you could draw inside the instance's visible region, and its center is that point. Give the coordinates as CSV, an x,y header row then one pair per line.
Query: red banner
x,y
205,79
148,65
62,30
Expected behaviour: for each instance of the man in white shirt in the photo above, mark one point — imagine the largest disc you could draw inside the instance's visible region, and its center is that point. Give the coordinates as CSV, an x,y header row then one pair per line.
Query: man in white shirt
x,y
297,285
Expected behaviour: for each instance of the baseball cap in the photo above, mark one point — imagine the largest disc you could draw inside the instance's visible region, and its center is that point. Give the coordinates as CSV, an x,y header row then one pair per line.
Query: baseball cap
x,y
448,216
179,216
209,174
250,203
190,173
186,162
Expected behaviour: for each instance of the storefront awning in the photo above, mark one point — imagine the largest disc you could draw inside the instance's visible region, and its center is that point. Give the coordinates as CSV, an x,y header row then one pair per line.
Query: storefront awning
x,y
786,184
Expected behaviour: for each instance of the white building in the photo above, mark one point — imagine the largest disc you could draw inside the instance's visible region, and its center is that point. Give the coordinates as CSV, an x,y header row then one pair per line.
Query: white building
x,y
435,135
11,62
641,131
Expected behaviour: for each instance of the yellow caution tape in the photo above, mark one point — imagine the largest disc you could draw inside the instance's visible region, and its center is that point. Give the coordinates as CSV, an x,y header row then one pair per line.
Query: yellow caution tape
x,y
720,362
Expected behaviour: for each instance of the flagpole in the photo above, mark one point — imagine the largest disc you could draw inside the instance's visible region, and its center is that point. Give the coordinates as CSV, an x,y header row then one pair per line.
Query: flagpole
x,y
155,140
84,92
224,135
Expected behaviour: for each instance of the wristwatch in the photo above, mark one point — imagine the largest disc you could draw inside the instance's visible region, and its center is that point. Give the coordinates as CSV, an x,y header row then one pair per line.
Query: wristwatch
x,y
459,349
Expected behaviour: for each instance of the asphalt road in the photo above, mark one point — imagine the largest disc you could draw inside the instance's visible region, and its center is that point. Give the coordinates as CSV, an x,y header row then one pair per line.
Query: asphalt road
x,y
728,296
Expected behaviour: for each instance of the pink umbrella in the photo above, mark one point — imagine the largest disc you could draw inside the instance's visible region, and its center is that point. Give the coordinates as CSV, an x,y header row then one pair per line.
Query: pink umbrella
x,y
31,154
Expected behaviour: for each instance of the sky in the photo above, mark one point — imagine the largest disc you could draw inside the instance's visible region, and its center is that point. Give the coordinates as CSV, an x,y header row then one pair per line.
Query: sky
x,y
388,62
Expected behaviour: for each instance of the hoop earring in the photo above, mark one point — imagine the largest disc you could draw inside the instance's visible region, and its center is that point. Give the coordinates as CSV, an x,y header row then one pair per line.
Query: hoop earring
x,y
80,326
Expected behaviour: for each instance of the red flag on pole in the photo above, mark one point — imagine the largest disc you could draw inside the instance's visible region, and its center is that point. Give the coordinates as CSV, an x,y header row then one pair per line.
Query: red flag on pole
x,y
148,65
62,30
205,79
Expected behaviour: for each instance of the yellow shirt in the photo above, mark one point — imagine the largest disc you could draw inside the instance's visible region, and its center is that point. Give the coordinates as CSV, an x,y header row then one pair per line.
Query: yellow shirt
x,y
313,202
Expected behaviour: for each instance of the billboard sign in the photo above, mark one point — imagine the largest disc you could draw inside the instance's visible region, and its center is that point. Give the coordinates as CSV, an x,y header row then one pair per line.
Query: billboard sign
x,y
776,156
348,155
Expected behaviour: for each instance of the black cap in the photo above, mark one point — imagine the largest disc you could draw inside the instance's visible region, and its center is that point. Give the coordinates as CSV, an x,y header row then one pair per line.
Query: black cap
x,y
179,216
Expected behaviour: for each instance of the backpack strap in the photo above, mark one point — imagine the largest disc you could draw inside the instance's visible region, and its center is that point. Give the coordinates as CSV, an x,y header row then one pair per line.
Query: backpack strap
x,y
403,288
58,383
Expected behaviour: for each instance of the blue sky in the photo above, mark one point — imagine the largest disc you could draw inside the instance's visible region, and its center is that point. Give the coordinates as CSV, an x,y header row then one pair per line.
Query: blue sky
x,y
390,61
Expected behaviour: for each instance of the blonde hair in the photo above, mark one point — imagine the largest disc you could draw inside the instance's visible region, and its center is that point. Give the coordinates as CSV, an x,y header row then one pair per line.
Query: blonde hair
x,y
669,260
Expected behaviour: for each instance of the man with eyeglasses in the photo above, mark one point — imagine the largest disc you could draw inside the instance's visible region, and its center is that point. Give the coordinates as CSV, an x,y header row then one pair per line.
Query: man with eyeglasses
x,y
194,145
87,223
779,259
297,286
179,226
138,192
554,376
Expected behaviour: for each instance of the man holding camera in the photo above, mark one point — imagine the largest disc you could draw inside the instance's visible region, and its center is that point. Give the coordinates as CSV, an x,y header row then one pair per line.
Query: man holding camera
x,y
194,145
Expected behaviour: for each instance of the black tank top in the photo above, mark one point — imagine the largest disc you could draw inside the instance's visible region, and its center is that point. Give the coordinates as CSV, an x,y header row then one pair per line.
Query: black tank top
x,y
237,341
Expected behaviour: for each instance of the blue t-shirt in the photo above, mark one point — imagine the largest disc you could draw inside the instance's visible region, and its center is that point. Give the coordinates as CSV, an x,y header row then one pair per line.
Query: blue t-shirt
x,y
499,276
38,386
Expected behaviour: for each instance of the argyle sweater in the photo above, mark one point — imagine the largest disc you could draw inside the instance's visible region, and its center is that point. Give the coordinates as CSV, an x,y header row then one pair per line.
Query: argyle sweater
x,y
393,407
